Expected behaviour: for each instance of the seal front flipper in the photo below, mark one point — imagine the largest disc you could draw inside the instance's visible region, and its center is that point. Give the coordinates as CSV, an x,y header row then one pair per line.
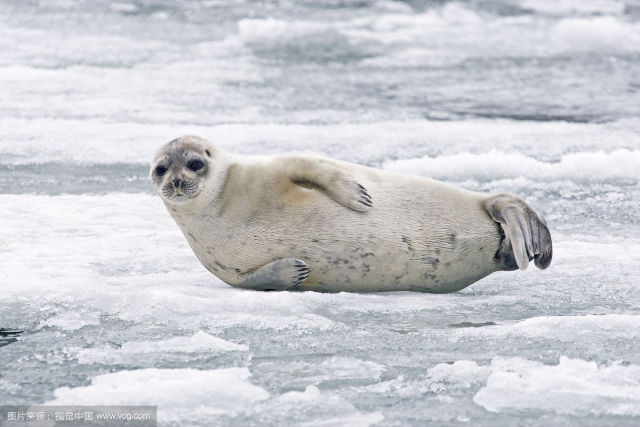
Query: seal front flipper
x,y
281,275
526,232
325,176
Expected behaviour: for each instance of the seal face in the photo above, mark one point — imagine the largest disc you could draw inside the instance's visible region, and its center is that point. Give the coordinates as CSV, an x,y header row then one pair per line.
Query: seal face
x,y
179,169
312,223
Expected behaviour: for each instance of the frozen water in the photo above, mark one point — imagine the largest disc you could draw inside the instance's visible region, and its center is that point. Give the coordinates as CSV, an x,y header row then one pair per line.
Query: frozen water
x,y
574,387
217,391
102,301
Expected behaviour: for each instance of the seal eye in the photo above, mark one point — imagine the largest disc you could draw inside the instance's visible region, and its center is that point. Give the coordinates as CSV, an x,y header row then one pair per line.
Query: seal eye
x,y
160,170
195,165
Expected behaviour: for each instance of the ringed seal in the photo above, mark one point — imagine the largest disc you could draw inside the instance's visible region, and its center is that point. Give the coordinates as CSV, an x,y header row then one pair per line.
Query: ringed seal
x,y
313,223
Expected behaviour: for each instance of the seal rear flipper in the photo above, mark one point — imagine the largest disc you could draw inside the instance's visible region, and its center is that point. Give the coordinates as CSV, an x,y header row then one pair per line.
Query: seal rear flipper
x,y
544,248
284,274
525,231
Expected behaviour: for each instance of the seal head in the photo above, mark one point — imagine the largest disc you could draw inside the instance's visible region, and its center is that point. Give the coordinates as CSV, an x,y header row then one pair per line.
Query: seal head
x,y
180,168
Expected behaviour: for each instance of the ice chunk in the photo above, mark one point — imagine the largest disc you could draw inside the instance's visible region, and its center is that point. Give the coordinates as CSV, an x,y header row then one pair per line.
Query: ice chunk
x,y
178,393
604,33
573,386
580,166
72,320
200,342
459,374
316,408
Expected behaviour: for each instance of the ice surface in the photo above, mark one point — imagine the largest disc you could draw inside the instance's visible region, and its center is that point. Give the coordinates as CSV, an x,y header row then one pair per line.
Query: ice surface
x,y
190,393
86,310
573,386
564,7
532,97
583,166
200,342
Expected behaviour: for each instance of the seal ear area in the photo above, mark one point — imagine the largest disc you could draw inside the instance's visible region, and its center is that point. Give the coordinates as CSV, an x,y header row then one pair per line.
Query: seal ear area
x,y
524,228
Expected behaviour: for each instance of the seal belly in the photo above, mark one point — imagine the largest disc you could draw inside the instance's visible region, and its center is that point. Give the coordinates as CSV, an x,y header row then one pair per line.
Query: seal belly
x,y
415,240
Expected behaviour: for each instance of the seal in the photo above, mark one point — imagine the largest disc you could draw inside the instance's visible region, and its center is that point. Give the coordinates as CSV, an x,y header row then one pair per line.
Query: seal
x,y
299,222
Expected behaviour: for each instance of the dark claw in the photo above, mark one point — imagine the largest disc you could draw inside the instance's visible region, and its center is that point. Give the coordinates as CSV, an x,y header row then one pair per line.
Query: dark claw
x,y
363,190
364,196
301,279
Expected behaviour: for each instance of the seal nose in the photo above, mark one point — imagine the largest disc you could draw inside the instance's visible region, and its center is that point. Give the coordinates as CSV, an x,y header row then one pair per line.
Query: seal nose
x,y
176,182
